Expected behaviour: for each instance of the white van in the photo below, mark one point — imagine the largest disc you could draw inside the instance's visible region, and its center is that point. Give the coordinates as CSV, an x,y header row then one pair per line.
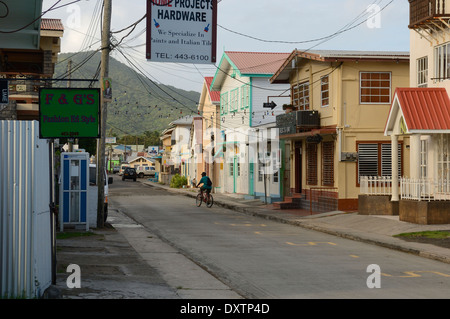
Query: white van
x,y
122,168
145,171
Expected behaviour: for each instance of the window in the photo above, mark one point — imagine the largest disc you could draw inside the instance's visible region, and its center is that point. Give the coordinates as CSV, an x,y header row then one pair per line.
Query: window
x,y
300,96
423,159
375,87
422,72
224,103
443,160
442,62
375,159
328,163
245,96
325,91
311,166
275,167
231,169
234,100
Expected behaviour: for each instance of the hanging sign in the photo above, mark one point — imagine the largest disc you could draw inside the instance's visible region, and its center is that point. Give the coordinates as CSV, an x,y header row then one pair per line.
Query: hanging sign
x,y
4,92
69,113
182,31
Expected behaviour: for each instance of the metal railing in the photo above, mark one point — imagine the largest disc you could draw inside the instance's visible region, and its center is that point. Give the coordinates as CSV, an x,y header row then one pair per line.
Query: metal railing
x,y
322,199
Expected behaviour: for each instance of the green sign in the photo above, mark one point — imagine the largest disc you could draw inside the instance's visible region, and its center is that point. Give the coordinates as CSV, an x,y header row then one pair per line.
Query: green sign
x,y
69,113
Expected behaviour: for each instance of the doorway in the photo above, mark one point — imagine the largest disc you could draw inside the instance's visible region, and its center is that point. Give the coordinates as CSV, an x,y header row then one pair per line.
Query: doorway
x,y
298,167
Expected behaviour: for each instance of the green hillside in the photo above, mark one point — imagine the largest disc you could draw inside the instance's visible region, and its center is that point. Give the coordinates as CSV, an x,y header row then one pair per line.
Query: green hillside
x,y
138,105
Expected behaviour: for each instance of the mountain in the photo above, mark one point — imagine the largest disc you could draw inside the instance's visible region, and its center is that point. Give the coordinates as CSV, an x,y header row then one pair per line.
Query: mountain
x,y
138,104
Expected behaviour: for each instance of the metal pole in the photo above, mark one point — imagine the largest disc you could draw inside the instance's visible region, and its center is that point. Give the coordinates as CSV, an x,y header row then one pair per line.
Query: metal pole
x,y
104,69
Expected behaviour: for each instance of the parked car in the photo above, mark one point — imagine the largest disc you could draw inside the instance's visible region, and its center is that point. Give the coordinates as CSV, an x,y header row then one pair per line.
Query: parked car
x,y
145,171
116,169
129,173
122,168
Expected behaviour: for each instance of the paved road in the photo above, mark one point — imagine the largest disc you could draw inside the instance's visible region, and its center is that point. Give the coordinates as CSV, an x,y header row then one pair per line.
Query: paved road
x,y
264,259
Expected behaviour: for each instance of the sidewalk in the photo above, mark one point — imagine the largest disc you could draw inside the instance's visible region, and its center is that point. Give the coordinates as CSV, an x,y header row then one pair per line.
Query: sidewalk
x,y
372,229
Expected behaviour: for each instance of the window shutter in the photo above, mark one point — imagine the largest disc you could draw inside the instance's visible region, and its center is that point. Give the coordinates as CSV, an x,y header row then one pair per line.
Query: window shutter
x,y
311,174
386,159
328,163
367,160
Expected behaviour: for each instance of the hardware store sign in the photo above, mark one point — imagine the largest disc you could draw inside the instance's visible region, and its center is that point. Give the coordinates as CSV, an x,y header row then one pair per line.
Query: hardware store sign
x,y
182,31
69,113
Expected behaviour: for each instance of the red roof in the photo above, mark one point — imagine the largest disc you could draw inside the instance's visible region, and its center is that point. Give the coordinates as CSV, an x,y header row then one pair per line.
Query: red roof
x,y
52,25
257,62
214,95
424,108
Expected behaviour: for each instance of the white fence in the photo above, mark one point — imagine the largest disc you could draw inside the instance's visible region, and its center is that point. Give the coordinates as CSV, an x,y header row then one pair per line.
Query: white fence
x,y
25,231
424,189
375,185
412,189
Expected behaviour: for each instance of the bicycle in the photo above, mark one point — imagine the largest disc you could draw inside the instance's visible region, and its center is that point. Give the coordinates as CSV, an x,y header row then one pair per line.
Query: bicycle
x,y
203,197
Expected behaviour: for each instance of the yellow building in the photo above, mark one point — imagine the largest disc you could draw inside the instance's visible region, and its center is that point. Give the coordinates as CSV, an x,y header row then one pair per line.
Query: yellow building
x,y
334,127
204,135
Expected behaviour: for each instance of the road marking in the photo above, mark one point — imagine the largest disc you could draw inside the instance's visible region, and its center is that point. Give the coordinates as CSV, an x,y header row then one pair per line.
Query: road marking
x,y
244,225
414,274
354,256
311,243
248,225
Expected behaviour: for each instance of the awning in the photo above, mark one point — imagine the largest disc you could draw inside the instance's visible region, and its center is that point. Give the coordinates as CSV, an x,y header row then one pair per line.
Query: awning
x,y
419,110
313,132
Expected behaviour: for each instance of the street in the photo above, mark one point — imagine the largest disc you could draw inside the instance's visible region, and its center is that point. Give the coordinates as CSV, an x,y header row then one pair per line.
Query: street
x,y
260,259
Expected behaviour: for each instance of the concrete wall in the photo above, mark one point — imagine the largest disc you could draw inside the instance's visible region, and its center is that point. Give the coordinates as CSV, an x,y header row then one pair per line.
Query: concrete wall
x,y
424,213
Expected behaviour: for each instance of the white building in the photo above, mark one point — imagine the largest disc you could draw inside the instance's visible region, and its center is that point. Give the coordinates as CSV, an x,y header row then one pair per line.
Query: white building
x,y
245,114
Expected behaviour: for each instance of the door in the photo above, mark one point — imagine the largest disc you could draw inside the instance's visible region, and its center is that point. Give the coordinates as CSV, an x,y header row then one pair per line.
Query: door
x,y
298,167
251,169
235,173
74,188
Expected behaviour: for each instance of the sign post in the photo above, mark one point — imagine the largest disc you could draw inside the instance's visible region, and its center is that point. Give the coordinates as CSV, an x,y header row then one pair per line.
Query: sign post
x,y
182,31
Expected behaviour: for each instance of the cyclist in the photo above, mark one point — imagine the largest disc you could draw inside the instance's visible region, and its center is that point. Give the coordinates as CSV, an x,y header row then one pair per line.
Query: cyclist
x,y
207,184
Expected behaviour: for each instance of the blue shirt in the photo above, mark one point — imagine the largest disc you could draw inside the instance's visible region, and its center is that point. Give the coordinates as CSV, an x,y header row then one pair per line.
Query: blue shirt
x,y
204,181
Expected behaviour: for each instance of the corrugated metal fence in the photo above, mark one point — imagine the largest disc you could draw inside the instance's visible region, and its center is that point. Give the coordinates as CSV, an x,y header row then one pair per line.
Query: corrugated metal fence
x,y
25,228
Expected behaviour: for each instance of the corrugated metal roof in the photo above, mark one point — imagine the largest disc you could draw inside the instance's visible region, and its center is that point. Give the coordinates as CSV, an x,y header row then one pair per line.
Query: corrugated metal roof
x,y
281,75
52,25
257,62
424,109
214,95
360,54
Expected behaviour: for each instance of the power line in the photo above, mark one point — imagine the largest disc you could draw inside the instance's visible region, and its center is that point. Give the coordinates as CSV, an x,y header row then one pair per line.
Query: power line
x,y
346,28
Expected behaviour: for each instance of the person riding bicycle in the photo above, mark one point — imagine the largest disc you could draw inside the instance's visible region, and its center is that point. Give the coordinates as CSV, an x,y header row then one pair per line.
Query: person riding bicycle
x,y
207,184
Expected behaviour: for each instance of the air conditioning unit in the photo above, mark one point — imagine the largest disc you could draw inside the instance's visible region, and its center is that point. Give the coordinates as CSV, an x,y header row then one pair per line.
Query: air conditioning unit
x,y
349,157
308,119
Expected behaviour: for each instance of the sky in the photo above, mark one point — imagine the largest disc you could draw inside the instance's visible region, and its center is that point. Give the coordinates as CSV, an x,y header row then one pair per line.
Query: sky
x,y
268,26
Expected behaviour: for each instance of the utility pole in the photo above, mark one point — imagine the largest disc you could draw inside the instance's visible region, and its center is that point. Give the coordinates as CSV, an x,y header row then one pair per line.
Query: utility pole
x,y
69,84
104,69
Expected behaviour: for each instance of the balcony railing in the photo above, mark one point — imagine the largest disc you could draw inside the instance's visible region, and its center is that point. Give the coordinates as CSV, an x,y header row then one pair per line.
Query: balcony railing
x,y
421,11
303,120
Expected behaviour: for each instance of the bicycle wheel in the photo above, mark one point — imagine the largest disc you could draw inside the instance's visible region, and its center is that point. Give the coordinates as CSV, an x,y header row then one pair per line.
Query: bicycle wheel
x,y
210,201
199,200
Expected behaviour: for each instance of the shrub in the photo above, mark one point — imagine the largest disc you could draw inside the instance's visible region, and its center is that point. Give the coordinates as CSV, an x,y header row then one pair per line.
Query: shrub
x,y
178,181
